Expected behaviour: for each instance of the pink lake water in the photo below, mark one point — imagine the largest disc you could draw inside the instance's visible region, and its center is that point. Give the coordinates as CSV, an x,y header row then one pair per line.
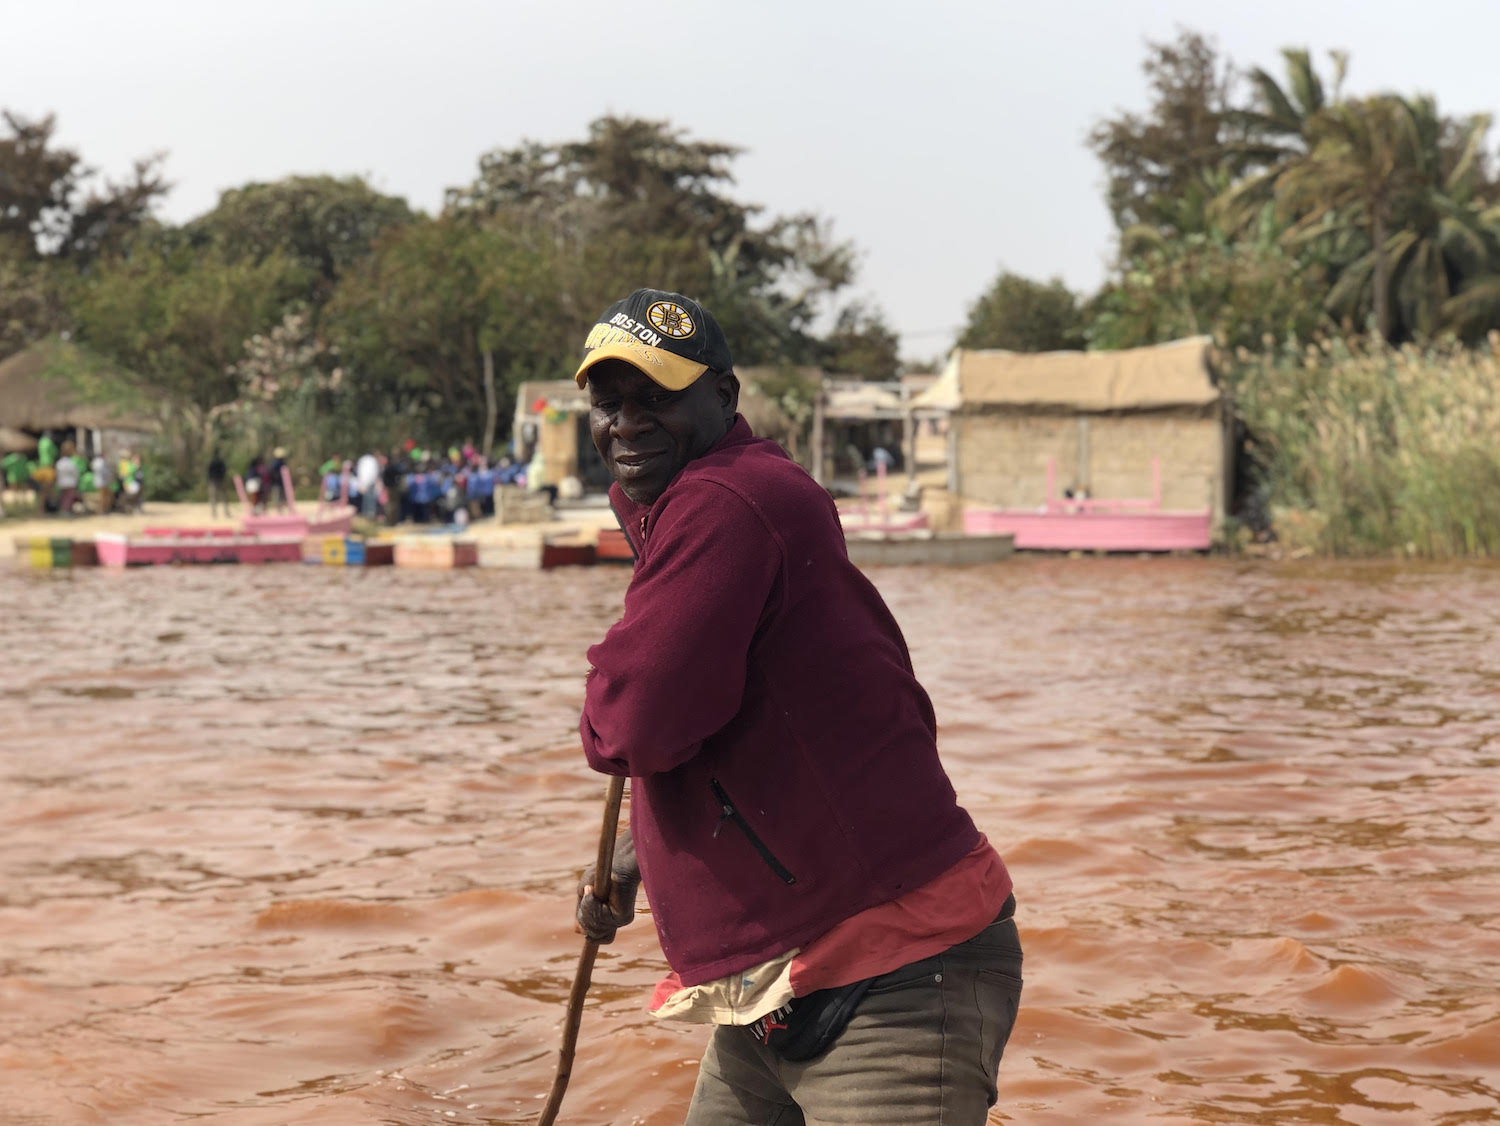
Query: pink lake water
x,y
292,845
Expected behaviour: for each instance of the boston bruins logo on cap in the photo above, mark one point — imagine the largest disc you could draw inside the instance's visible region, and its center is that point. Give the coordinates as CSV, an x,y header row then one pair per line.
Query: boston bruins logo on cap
x,y
672,319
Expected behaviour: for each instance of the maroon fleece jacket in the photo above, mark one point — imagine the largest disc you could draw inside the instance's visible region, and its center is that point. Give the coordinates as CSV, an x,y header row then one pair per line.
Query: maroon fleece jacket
x,y
760,695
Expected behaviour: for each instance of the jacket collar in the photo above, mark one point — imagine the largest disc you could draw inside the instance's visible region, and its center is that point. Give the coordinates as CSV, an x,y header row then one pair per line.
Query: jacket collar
x,y
635,519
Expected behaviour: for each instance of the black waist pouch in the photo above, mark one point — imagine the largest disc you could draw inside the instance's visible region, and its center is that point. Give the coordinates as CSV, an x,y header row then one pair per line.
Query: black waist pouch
x,y
807,1026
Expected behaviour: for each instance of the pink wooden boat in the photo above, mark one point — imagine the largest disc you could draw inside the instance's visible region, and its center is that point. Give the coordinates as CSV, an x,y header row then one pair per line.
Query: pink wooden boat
x,y
193,545
1127,524
326,519
872,512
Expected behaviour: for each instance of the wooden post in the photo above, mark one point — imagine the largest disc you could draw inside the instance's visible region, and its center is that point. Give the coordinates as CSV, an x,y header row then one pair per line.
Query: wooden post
x,y
909,440
1081,478
286,488
951,441
817,438
491,403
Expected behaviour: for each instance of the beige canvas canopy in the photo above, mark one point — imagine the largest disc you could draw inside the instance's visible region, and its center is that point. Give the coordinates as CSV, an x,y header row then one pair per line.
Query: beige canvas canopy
x,y
1162,375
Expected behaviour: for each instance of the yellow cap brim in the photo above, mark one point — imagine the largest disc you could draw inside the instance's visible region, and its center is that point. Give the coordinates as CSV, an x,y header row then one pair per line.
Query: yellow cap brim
x,y
667,368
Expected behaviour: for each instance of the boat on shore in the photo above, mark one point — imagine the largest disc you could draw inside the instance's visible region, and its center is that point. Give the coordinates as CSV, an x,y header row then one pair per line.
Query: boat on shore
x,y
348,551
1094,524
158,546
46,553
435,551
946,549
325,519
611,546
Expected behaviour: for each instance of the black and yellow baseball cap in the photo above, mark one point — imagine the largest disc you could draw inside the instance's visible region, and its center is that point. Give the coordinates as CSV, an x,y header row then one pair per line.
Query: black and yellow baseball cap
x,y
669,337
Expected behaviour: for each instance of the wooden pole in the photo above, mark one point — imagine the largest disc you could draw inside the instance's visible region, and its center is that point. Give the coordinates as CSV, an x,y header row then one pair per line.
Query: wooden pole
x,y
603,883
816,454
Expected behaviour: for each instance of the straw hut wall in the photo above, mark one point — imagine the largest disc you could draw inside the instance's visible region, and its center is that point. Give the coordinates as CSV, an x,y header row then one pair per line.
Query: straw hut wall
x,y
1100,417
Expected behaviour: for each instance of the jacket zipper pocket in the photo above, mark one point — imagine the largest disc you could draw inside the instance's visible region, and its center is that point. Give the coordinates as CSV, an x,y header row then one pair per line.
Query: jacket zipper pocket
x,y
732,814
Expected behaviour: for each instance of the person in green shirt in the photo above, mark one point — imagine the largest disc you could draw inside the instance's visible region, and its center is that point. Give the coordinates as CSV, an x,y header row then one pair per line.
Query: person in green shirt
x,y
46,451
13,475
17,471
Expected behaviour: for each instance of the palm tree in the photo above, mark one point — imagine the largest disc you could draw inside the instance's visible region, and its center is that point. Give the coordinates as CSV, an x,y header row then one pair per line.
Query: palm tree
x,y
1281,113
1474,305
1374,180
1275,132
1383,190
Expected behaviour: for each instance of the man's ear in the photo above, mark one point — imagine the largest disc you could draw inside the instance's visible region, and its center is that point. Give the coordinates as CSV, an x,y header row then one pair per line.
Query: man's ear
x,y
727,387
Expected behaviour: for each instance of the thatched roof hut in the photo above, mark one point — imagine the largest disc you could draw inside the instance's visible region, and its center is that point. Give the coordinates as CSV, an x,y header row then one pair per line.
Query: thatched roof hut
x,y
12,439
38,392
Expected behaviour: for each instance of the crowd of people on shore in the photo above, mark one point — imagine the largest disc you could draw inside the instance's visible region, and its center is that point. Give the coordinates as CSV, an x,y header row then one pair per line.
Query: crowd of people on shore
x,y
420,486
410,484
58,479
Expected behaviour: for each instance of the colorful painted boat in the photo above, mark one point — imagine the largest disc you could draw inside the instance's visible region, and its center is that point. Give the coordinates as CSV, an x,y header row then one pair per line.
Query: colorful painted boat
x,y
51,552
369,553
348,551
1094,530
440,553
1089,524
873,512
325,520
193,546
571,554
612,547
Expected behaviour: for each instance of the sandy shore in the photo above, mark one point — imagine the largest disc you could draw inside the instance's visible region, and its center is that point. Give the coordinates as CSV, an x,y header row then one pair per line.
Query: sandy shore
x,y
566,525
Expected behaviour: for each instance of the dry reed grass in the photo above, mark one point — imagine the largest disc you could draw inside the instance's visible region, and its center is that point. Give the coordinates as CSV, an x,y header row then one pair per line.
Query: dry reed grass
x,y
1373,450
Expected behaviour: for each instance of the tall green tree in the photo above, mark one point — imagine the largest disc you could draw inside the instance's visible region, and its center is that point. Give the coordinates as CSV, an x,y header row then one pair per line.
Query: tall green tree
x,y
1245,292
30,306
324,224
639,202
54,205
1024,315
863,344
176,322
443,321
1190,131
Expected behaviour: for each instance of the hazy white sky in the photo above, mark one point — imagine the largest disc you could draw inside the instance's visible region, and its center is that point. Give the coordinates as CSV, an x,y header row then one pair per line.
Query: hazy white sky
x,y
946,139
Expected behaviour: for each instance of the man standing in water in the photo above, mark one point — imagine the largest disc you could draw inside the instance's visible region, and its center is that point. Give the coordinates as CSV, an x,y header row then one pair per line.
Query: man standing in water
x,y
818,891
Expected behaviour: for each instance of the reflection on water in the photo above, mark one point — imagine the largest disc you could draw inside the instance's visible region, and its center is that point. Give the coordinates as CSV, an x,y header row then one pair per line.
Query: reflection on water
x,y
292,845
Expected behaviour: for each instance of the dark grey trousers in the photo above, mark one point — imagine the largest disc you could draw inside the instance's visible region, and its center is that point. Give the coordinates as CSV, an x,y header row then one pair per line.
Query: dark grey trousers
x,y
921,1050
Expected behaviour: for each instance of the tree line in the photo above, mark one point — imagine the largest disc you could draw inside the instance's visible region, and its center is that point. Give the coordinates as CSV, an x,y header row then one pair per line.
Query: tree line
x,y
1263,206
318,312
1271,208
